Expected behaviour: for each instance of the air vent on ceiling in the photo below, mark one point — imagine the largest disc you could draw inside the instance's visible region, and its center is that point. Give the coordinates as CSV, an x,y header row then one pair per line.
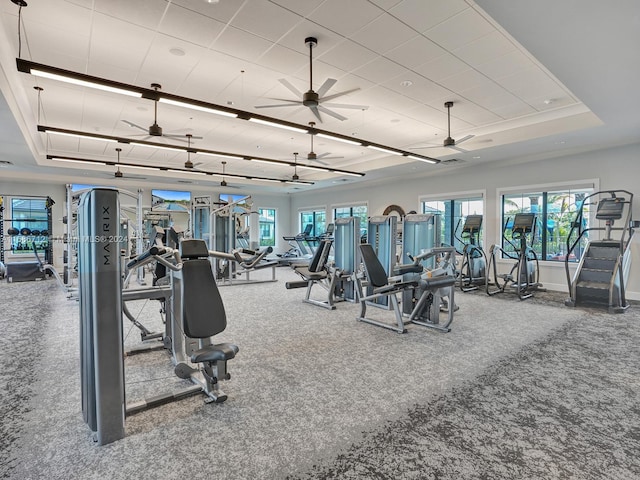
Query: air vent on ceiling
x,y
185,181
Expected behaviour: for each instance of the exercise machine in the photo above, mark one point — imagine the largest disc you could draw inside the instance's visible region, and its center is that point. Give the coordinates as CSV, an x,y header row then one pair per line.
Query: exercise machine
x,y
382,233
601,276
346,256
422,290
318,272
196,305
472,272
523,278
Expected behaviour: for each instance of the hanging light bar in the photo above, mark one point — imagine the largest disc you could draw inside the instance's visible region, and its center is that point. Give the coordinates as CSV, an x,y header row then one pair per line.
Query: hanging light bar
x,y
194,106
423,159
385,150
191,149
55,73
339,139
271,123
69,159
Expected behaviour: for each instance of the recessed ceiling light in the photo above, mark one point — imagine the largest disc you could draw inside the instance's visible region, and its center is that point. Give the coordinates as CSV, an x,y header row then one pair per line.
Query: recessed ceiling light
x,y
548,101
476,157
406,83
178,52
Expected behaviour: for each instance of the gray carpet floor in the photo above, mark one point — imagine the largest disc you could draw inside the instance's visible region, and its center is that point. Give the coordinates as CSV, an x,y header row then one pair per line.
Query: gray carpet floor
x,y
517,390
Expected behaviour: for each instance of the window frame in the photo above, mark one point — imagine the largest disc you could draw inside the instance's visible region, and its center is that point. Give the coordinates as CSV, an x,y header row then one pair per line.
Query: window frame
x,y
273,225
452,197
543,190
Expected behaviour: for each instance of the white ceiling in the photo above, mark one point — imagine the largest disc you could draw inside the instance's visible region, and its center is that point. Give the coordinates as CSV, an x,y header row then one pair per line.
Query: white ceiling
x,y
529,80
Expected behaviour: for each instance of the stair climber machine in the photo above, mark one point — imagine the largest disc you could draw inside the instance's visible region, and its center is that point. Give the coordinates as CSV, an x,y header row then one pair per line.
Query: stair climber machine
x,y
197,315
524,277
472,271
602,272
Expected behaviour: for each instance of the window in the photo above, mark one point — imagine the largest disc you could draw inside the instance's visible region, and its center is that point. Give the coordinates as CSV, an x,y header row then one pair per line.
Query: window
x,y
29,219
555,210
452,214
267,227
316,218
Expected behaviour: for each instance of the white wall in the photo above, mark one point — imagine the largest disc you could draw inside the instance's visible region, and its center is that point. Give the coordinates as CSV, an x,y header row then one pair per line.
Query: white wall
x,y
612,168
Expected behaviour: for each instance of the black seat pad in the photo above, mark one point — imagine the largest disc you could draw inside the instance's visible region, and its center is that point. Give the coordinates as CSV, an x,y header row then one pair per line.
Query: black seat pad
x,y
215,353
439,282
308,275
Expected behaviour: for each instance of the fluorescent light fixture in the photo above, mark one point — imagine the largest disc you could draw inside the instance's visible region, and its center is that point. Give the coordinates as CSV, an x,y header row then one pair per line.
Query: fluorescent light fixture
x,y
385,150
161,147
194,106
73,160
192,172
311,167
269,180
139,167
422,159
80,135
339,139
351,174
83,83
279,125
221,155
298,182
268,162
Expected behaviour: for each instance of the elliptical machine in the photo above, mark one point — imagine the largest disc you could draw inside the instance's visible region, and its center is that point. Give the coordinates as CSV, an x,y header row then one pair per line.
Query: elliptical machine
x,y
523,278
472,271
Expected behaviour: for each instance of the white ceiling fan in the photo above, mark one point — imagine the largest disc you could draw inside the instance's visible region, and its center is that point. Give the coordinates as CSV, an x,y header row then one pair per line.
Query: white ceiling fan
x,y
316,101
448,142
155,130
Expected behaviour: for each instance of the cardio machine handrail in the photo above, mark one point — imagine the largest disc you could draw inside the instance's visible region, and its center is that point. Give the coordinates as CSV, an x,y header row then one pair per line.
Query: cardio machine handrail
x,y
577,224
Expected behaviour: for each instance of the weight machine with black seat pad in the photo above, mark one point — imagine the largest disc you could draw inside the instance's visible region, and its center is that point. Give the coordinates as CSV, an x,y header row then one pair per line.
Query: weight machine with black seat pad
x,y
426,307
318,273
195,303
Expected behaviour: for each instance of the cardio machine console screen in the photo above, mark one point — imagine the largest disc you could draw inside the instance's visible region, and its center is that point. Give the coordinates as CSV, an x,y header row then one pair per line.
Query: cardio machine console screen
x,y
524,222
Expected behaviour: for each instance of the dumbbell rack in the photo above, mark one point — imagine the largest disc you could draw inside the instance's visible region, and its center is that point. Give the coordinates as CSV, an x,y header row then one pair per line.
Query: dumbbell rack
x,y
48,252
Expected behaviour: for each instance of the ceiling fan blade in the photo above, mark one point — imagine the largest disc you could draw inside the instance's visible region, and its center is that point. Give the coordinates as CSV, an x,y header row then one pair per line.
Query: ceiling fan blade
x,y
326,86
316,113
340,94
345,105
331,114
464,139
326,156
178,136
426,146
461,150
295,104
131,124
317,159
290,87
